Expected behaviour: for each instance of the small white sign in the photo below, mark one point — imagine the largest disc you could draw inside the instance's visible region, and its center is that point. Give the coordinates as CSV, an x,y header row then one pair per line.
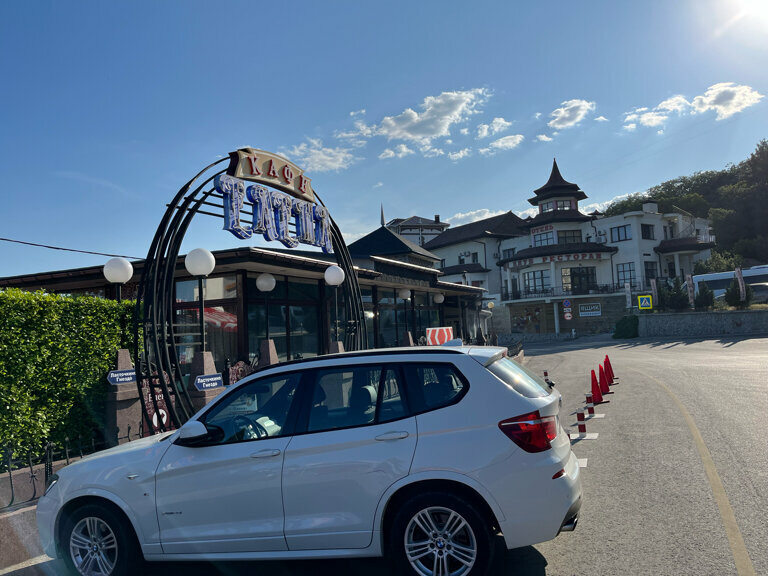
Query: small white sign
x,y
590,309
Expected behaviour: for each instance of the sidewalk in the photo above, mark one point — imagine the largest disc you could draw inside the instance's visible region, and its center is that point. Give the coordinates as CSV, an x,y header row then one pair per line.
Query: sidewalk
x,y
18,536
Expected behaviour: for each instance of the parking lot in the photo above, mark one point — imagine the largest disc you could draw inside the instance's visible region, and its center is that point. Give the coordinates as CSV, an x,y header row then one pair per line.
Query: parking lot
x,y
676,482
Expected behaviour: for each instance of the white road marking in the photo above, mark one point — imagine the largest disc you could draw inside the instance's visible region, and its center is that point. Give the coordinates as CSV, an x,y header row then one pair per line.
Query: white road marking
x,y
26,564
582,462
587,436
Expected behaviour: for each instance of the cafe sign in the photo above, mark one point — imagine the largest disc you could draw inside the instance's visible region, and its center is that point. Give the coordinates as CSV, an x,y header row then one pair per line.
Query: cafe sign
x,y
272,210
578,257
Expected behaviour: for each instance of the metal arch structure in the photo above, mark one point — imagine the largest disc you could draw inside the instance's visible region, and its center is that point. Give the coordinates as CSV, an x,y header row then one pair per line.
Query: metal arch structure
x,y
156,358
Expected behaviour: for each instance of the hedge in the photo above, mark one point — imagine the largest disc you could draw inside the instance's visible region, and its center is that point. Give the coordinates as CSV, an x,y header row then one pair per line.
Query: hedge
x,y
55,352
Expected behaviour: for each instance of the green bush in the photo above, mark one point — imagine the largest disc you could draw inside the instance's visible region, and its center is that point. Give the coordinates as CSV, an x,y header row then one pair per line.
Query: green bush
x,y
733,295
626,327
55,352
678,298
705,298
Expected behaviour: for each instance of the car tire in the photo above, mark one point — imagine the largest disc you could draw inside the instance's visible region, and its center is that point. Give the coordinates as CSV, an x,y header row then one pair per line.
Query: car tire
x,y
440,534
97,541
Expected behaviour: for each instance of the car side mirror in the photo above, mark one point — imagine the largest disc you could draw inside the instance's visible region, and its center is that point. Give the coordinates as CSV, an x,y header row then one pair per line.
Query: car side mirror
x,y
193,432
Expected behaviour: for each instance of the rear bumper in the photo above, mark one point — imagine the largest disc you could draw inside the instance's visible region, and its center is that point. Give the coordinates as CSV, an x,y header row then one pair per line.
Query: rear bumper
x,y
539,507
571,517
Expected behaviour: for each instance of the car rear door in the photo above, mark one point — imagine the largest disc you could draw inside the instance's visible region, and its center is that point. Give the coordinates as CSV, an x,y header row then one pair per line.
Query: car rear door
x,y
357,440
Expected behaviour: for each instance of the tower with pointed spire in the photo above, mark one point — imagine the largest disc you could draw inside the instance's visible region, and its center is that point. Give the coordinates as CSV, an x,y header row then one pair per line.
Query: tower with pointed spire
x,y
557,192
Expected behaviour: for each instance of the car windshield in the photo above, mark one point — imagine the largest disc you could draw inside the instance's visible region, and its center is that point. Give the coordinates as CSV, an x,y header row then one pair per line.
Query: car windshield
x,y
519,378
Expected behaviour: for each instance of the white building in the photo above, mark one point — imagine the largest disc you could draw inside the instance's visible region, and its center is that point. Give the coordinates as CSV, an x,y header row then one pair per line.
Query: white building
x,y
563,269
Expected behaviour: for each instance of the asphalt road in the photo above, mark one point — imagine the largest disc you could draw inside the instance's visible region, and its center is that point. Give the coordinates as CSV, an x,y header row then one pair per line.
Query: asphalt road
x,y
675,484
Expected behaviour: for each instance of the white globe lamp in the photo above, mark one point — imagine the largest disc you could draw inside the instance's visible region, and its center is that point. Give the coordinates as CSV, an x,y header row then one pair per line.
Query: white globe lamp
x,y
404,293
439,298
334,275
118,271
200,262
265,282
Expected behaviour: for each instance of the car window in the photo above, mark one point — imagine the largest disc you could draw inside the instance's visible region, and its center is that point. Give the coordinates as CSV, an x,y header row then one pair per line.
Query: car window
x,y
431,386
355,396
256,410
520,379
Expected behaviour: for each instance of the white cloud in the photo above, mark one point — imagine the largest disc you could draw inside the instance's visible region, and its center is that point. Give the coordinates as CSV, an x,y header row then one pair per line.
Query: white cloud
x,y
357,112
537,115
378,184
437,116
400,151
543,138
630,127
361,131
506,143
532,212
651,119
473,216
659,132
495,127
429,152
570,114
460,154
602,206
674,104
313,157
601,119
464,131
726,99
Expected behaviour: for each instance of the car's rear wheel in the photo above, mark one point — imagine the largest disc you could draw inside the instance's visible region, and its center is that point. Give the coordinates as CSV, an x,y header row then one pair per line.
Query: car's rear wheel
x,y
96,541
440,534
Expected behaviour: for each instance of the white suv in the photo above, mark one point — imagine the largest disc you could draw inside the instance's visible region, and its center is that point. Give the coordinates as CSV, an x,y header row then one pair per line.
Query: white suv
x,y
422,454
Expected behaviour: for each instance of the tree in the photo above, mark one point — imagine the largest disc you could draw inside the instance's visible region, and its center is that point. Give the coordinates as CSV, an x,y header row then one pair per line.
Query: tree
x,y
705,298
719,261
733,295
678,298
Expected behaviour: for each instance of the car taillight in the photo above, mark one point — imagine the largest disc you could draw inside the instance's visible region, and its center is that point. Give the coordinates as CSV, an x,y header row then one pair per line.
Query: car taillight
x,y
532,432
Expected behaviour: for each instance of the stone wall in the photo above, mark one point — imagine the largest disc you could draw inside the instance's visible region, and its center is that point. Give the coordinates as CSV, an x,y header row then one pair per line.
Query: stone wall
x,y
702,324
529,319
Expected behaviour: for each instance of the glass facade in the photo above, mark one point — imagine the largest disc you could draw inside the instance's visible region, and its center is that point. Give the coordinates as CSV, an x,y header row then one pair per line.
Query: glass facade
x,y
302,316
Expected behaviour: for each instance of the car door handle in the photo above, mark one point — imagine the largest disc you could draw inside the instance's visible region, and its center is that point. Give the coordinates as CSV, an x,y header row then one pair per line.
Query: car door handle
x,y
265,453
392,436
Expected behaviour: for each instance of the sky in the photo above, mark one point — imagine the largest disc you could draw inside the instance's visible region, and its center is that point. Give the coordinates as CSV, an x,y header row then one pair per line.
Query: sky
x,y
424,107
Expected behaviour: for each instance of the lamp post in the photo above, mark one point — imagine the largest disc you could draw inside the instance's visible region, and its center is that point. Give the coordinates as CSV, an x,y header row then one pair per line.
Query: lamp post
x,y
334,276
404,295
118,271
490,308
199,263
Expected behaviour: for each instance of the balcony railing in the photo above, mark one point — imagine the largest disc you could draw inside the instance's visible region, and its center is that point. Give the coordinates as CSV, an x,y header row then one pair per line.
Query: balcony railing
x,y
598,289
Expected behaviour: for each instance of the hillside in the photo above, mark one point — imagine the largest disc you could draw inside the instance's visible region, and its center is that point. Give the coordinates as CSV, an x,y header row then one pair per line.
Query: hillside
x,y
735,200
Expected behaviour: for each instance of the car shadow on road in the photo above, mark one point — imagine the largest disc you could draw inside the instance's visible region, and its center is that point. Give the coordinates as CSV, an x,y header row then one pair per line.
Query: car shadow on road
x,y
525,561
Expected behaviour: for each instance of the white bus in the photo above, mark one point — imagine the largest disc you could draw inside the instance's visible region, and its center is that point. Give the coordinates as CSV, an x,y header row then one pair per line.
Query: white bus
x,y
718,282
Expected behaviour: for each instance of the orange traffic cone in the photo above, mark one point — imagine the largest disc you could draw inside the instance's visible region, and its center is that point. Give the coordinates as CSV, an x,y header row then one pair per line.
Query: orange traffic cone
x,y
604,382
597,397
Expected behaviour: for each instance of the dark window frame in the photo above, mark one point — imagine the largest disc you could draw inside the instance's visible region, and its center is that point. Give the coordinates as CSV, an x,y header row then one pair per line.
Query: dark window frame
x,y
621,233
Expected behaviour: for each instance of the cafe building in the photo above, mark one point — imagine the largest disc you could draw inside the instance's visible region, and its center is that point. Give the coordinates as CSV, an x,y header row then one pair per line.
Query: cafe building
x,y
402,294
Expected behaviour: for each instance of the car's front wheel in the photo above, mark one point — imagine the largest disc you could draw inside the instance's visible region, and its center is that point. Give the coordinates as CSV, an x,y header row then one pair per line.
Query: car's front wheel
x,y
440,534
96,541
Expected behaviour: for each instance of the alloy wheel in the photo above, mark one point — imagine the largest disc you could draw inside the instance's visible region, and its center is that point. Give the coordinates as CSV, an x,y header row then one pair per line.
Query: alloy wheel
x,y
93,547
440,542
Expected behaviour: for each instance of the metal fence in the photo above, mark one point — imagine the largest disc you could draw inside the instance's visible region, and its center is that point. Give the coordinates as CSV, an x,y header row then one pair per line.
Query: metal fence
x,y
26,470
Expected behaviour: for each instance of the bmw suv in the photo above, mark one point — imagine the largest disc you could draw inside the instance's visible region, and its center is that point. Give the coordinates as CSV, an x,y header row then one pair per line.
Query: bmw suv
x,y
421,454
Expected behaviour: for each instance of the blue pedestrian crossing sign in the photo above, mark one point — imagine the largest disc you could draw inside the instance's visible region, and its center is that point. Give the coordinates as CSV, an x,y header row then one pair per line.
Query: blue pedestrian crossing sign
x,y
645,302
